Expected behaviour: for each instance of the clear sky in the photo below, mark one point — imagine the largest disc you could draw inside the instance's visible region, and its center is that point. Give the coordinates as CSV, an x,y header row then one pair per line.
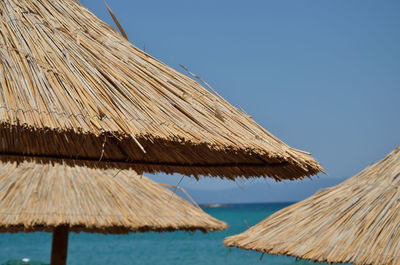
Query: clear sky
x,y
323,76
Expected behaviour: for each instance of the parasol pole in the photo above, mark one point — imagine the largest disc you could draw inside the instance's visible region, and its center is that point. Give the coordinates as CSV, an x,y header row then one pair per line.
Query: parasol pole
x,y
59,247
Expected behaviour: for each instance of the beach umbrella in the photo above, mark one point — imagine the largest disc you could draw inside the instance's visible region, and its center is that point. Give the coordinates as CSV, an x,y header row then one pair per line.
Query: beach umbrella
x,y
75,92
357,221
58,197
72,87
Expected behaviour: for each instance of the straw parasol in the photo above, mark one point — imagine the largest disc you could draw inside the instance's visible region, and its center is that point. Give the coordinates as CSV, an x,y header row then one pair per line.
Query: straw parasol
x,y
75,96
59,198
357,221
72,87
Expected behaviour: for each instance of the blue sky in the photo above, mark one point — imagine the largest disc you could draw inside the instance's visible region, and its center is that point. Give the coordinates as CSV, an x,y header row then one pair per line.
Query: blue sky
x,y
323,76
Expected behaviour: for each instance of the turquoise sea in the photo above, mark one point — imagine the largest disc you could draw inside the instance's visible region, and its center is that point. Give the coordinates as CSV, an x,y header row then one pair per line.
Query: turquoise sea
x,y
154,248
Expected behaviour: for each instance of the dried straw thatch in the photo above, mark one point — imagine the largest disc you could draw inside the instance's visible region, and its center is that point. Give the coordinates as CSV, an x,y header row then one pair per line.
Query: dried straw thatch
x,y
72,87
357,221
40,197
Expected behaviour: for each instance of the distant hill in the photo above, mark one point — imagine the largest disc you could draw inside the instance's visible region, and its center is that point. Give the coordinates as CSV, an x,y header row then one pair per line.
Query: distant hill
x,y
263,191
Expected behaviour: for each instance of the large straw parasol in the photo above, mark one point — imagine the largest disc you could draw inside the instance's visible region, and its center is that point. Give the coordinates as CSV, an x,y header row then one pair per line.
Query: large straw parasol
x,y
76,94
59,198
357,221
72,87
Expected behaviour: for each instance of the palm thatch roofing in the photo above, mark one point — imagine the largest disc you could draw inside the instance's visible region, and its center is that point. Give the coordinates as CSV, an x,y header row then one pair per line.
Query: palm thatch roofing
x,y
41,197
357,221
72,87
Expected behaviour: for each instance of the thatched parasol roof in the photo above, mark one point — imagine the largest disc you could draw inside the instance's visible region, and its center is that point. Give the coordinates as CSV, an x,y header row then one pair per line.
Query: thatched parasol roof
x,y
72,87
40,197
357,221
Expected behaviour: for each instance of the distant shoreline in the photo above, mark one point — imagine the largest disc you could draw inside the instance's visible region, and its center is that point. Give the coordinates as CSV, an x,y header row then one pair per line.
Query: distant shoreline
x,y
225,205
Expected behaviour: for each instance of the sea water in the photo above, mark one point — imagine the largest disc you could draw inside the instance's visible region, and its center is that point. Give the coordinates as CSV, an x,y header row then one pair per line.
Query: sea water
x,y
173,248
